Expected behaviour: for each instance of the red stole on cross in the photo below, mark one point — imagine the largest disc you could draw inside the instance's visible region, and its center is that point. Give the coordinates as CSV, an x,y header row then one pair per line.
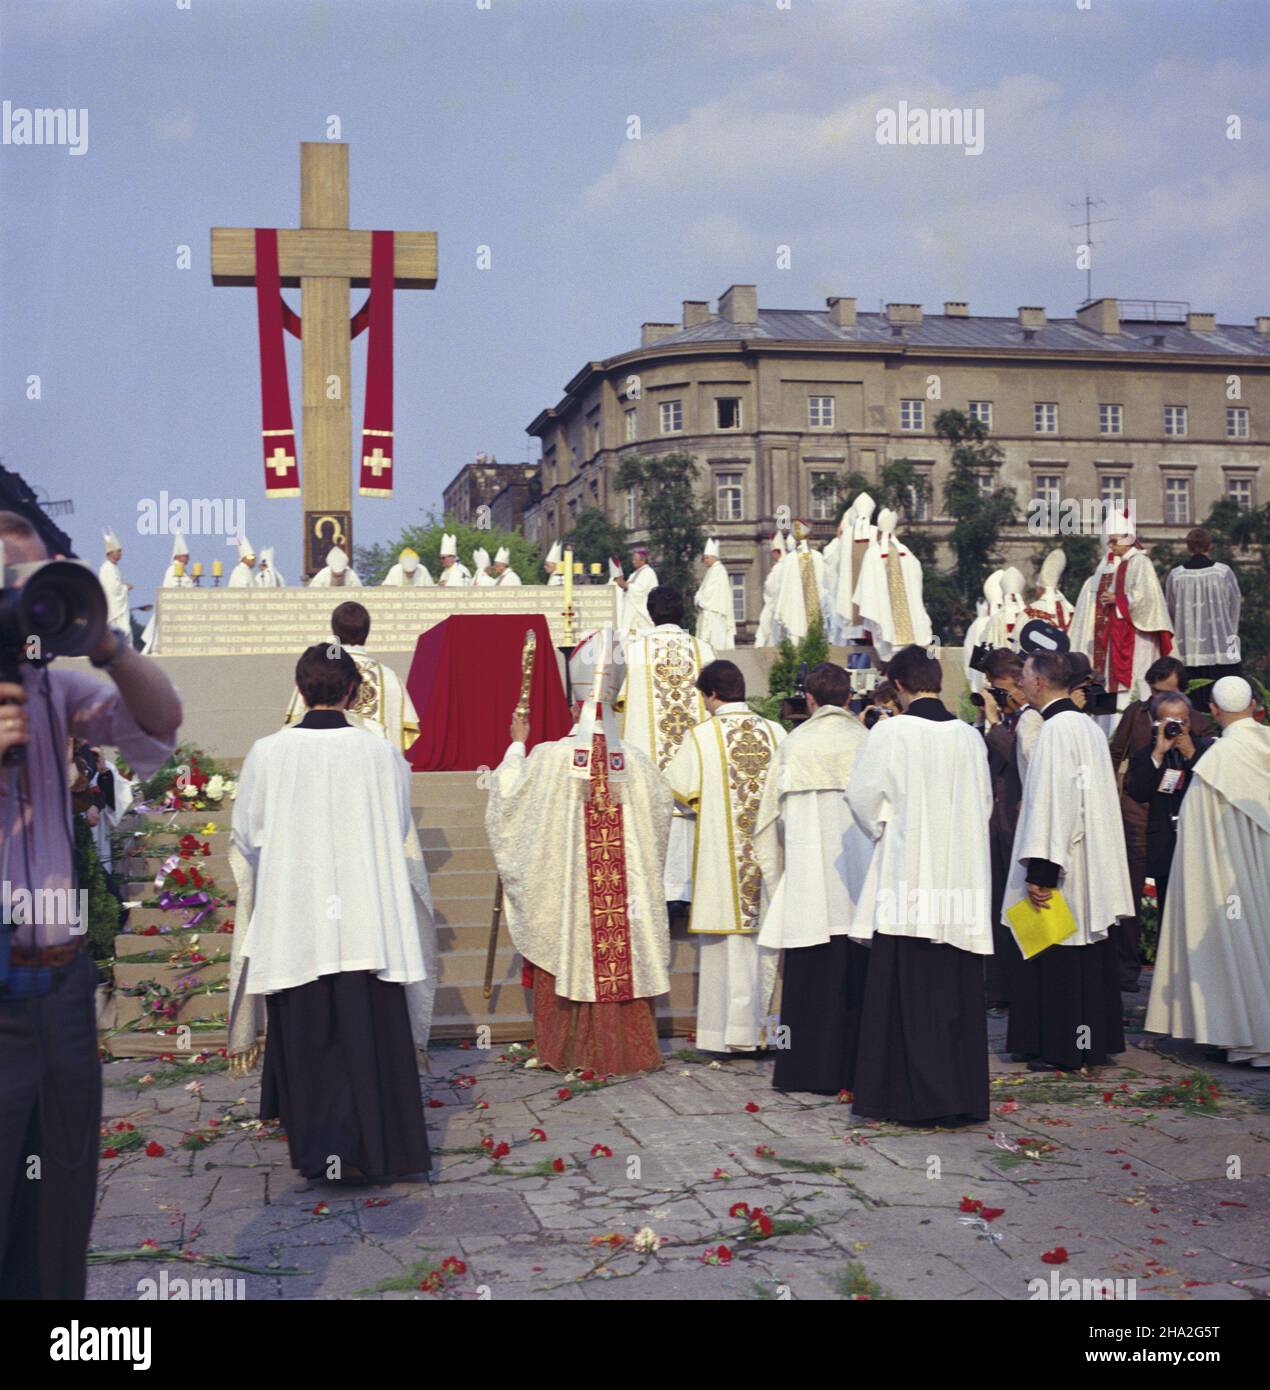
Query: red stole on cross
x,y
1114,631
376,472
282,471
606,884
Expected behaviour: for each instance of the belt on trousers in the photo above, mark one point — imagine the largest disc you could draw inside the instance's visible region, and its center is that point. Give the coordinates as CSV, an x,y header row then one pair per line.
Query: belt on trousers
x,y
45,957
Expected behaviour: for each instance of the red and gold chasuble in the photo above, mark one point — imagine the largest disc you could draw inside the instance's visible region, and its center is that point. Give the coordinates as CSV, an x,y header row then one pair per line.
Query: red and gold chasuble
x,y
606,884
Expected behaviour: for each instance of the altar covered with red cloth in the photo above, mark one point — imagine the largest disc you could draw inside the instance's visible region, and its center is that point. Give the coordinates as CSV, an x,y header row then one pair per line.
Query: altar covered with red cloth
x,y
464,683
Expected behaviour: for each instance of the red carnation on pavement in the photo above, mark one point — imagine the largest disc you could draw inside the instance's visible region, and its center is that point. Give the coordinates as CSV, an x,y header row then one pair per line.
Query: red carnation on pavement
x,y
539,1135
500,1151
488,1142
601,1151
760,1222
991,1213
154,1149
739,1209
321,1209
563,1093
1057,1256
435,1104
717,1255
970,1204
557,1165
110,1153
764,1151
453,1265
721,1173
587,1075
844,1097
751,1108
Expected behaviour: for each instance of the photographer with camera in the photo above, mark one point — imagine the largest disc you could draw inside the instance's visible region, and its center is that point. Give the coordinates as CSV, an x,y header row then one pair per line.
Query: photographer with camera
x,y
50,1075
1158,778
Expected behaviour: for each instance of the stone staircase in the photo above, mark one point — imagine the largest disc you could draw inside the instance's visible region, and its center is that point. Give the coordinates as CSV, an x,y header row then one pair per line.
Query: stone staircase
x,y
449,809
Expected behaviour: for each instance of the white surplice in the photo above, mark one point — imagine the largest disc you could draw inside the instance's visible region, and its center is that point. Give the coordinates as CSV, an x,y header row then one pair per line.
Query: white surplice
x,y
639,585
920,790
242,576
397,578
327,885
716,623
326,578
110,576
658,704
1204,604
1070,815
1212,970
808,844
718,775
455,576
383,704
771,592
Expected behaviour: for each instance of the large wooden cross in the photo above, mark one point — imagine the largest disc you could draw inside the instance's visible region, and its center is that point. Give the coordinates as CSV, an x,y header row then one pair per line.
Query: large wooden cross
x,y
324,258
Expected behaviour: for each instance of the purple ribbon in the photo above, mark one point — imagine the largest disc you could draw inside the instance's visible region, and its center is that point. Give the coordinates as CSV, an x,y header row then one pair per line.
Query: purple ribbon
x,y
169,864
204,901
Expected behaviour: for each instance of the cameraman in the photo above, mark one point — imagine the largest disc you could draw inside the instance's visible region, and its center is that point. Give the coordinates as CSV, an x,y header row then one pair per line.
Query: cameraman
x,y
50,1075
1159,776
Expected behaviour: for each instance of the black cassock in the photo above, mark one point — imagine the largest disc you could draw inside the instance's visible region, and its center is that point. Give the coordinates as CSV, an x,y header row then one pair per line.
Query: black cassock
x,y
821,998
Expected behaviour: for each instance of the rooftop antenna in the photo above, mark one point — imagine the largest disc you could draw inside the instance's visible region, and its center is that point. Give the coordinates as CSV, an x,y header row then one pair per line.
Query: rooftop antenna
x,y
1089,204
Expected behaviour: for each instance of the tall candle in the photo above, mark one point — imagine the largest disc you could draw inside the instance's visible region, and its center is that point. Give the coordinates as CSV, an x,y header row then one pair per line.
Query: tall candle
x,y
197,569
179,567
217,568
568,581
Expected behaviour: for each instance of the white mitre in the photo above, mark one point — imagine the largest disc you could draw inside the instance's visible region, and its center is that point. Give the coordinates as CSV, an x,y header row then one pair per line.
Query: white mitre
x,y
244,548
449,545
111,541
994,590
554,554
1120,524
480,558
712,547
336,560
1052,568
178,545
502,556
408,560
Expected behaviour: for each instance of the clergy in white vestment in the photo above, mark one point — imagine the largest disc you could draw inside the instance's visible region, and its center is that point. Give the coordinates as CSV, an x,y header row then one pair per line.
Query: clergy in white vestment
x,y
1212,966
889,592
815,857
243,576
855,535
578,831
1050,604
718,775
977,632
800,600
1065,1008
1006,622
1121,621
267,576
174,577
336,937
337,573
555,575
110,576
501,572
1204,602
636,589
408,573
920,791
454,574
716,618
481,576
659,703
382,704
771,589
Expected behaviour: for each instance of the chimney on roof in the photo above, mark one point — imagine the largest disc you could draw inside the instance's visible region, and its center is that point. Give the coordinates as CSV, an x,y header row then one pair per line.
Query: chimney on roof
x,y
903,313
739,304
1263,325
650,333
1030,316
1100,316
696,311
841,311
956,309
1202,323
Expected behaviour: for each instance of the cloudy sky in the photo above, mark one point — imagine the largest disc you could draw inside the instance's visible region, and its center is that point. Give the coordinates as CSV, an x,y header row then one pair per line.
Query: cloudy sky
x,y
507,125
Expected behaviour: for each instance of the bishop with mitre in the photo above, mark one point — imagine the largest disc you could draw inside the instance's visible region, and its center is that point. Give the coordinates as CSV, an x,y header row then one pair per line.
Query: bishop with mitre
x,y
855,534
716,620
888,593
578,829
1050,604
409,572
337,573
800,601
763,636
113,585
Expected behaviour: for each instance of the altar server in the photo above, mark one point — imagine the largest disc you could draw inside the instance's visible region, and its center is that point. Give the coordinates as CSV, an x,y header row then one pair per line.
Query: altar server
x,y
578,830
919,790
811,851
718,776
716,618
337,573
1204,602
1212,972
409,572
335,939
1065,1002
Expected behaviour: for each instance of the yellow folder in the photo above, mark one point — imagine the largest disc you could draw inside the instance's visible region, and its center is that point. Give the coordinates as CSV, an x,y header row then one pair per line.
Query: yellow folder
x,y
1036,929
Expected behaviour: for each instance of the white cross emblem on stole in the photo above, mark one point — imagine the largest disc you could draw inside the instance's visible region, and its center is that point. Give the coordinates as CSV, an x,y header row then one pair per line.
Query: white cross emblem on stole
x,y
376,461
280,461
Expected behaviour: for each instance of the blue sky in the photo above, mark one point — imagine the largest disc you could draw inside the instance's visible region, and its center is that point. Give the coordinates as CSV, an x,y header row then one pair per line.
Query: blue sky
x,y
507,126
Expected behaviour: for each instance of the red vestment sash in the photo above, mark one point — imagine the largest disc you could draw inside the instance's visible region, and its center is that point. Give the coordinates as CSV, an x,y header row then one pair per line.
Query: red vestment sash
x,y
606,884
377,447
282,469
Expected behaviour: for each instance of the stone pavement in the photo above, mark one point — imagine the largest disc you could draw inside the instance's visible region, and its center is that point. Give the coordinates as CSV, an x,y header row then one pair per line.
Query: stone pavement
x,y
1119,1175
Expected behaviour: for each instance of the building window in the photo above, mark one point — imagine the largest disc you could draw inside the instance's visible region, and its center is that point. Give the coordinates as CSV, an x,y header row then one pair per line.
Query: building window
x,y
1236,422
820,412
1045,417
912,415
727,497
981,411
919,496
1239,491
1047,491
824,496
738,596
1175,420
1177,501
1110,419
727,413
1113,491
632,426
986,482
631,522
672,417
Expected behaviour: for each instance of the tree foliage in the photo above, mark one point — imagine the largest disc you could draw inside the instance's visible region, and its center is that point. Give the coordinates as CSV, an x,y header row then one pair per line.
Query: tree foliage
x,y
595,538
672,511
372,562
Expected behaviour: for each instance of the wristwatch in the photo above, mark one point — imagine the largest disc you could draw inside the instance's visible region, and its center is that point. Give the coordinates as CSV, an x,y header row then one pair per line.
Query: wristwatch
x,y
122,644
